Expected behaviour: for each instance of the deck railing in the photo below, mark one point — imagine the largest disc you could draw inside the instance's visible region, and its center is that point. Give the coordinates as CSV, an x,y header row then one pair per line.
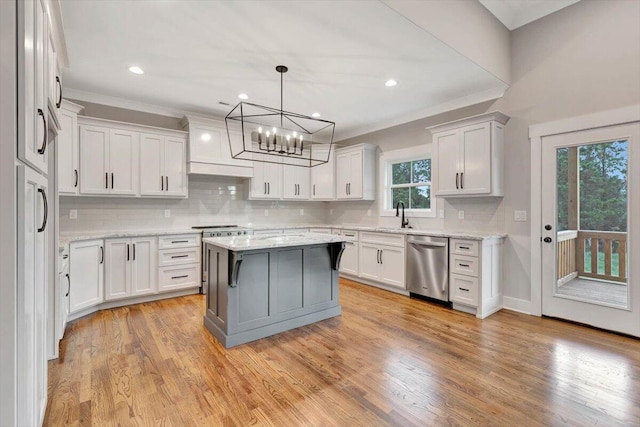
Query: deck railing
x,y
596,254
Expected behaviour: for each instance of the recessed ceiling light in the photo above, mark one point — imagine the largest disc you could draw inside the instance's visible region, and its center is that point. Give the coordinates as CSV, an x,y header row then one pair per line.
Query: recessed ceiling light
x,y
243,96
315,115
391,83
136,70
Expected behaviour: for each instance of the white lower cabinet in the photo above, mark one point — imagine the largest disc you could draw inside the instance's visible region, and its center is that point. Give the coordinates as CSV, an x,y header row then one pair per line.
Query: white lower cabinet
x,y
349,259
86,272
382,263
131,267
179,277
180,266
475,275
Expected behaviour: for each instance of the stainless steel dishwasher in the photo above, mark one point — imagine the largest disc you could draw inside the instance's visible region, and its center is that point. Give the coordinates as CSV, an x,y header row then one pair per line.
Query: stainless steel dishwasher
x,y
428,267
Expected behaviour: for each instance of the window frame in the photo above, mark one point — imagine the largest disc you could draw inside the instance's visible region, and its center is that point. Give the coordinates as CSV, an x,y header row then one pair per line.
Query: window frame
x,y
387,160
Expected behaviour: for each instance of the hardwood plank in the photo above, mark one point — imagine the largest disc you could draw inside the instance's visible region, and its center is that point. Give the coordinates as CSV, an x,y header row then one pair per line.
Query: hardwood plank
x,y
388,360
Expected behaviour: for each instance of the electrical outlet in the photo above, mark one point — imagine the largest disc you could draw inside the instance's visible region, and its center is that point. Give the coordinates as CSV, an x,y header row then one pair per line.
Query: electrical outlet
x,y
73,214
301,212
460,214
266,212
441,213
520,216
167,213
369,212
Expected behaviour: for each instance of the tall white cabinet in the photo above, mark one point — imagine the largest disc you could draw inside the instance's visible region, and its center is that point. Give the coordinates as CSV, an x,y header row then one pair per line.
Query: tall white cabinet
x,y
323,177
469,156
68,149
356,172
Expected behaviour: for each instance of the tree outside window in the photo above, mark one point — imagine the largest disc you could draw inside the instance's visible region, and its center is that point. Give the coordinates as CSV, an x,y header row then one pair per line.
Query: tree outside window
x,y
411,184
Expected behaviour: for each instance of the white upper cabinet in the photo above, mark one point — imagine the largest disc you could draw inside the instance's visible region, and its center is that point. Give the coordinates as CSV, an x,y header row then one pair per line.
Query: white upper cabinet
x,y
469,156
209,152
267,181
108,160
123,159
296,182
356,172
68,149
162,165
323,177
32,84
53,78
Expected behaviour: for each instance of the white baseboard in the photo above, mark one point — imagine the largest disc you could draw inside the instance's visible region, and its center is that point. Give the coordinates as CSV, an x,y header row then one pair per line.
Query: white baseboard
x,y
516,304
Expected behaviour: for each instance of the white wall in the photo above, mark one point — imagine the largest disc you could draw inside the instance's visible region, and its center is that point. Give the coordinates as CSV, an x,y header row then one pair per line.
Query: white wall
x,y
582,59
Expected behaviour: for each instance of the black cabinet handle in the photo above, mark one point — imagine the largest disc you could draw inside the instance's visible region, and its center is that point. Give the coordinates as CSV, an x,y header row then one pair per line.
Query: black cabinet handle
x,y
268,188
380,256
161,183
167,186
464,247
101,254
464,289
464,265
112,180
42,149
65,256
59,103
76,172
106,180
68,284
180,277
265,187
462,180
179,241
134,251
179,256
314,189
127,252
457,177
46,210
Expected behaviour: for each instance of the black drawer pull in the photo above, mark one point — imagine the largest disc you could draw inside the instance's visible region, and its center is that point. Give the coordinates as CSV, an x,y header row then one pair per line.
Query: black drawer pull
x,y
464,289
180,277
179,241
464,247
179,256
464,265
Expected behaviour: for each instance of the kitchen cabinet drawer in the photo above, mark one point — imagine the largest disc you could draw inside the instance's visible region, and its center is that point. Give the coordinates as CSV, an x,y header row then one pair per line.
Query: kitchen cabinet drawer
x,y
464,247
179,241
462,264
172,278
348,233
383,238
178,256
464,290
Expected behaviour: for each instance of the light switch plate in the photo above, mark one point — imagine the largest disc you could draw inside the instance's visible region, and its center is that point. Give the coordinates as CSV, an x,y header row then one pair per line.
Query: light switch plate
x,y
73,214
520,216
460,214
167,213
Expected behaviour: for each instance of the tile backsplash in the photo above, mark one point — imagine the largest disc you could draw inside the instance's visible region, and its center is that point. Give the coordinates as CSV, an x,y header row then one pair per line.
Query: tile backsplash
x,y
220,200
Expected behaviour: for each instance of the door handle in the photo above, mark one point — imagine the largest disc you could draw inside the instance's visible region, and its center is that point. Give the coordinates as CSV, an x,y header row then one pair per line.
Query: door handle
x,y
134,251
106,180
76,172
59,103
167,186
457,177
112,180
46,210
43,148
547,240
101,254
462,180
548,227
314,189
268,188
265,187
68,284
127,252
380,256
161,183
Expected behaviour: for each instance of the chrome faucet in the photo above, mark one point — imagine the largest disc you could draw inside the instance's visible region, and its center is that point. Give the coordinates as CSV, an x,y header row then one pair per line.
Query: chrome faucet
x,y
405,221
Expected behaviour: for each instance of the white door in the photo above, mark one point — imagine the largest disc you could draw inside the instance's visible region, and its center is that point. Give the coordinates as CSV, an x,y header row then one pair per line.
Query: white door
x,y
323,177
144,266
590,232
447,147
94,161
123,162
295,182
67,141
31,298
258,182
343,175
175,166
86,271
151,165
369,261
357,174
475,170
117,272
392,266
273,177
349,259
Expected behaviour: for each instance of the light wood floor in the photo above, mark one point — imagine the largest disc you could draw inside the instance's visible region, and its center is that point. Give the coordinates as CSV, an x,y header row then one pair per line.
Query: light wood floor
x,y
388,360
597,291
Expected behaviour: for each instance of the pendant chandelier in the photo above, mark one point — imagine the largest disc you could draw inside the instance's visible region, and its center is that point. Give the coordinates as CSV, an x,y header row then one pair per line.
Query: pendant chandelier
x,y
271,135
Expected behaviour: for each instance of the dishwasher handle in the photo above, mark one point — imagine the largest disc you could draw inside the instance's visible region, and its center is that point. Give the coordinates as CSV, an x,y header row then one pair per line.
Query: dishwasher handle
x,y
426,244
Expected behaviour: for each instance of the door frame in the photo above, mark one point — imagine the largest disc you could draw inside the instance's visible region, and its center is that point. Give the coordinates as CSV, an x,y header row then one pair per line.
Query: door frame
x,y
619,116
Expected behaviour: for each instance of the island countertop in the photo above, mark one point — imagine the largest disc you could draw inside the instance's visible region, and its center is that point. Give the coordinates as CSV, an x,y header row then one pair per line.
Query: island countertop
x,y
251,242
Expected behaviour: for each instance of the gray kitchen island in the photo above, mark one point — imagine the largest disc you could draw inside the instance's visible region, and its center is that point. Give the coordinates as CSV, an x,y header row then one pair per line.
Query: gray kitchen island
x,y
263,285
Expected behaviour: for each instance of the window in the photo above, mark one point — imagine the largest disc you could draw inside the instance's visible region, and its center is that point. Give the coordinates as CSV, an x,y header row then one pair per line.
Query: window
x,y
407,179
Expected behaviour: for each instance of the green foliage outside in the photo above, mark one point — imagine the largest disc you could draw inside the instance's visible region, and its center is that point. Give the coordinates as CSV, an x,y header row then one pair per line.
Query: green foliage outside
x,y
603,186
417,174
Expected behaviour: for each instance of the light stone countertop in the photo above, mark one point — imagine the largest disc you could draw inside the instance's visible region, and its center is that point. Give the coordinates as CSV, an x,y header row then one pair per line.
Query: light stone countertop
x,y
252,242
67,237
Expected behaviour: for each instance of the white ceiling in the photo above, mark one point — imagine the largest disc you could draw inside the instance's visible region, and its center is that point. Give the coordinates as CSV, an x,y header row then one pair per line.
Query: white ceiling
x,y
516,13
339,54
